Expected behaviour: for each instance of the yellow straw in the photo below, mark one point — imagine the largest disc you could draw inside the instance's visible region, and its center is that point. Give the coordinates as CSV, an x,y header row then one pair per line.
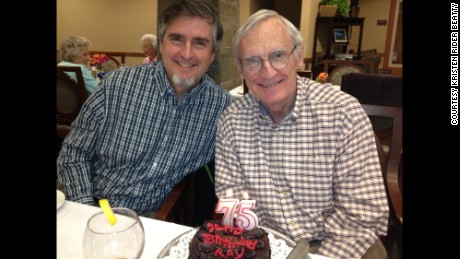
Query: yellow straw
x,y
107,210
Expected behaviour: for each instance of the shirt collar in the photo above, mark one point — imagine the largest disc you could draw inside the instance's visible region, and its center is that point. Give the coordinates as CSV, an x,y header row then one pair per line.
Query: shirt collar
x,y
293,114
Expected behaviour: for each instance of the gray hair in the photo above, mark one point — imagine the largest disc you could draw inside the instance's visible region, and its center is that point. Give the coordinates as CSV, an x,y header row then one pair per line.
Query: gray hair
x,y
152,38
192,8
70,47
262,15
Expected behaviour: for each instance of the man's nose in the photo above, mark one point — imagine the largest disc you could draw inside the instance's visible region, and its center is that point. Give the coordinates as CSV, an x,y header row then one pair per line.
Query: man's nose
x,y
187,51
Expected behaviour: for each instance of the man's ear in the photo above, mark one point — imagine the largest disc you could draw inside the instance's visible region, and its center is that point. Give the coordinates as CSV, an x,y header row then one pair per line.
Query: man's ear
x,y
213,55
239,67
300,62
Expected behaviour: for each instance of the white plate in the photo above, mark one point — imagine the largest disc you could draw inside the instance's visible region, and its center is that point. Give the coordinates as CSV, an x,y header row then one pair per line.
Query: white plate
x,y
280,245
60,198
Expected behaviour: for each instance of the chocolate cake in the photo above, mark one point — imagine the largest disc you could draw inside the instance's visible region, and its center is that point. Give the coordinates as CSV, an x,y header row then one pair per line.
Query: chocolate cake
x,y
213,240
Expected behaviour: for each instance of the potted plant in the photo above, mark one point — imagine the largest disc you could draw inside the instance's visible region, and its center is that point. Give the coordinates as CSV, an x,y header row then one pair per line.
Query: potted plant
x,y
354,8
342,7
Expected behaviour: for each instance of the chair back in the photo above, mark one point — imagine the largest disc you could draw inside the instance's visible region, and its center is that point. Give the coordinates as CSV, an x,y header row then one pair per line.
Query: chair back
x,y
111,64
391,165
392,161
374,89
344,67
70,94
304,73
373,56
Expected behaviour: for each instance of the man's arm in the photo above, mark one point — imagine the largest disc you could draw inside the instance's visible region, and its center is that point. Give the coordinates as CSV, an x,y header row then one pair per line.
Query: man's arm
x,y
227,167
75,160
361,209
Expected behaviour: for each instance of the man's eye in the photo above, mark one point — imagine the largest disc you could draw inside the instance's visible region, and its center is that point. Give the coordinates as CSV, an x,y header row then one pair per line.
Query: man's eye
x,y
277,55
200,43
176,38
252,61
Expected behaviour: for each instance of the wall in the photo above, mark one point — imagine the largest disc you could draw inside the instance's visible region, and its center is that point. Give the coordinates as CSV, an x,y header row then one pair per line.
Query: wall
x,y
307,15
112,25
244,10
307,26
374,36
291,11
117,25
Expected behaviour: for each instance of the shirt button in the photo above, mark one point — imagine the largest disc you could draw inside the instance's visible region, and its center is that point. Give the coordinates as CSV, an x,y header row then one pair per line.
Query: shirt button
x,y
154,166
285,194
293,223
277,163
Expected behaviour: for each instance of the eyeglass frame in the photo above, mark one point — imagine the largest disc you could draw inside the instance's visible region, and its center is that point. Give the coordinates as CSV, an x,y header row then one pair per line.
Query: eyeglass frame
x,y
261,60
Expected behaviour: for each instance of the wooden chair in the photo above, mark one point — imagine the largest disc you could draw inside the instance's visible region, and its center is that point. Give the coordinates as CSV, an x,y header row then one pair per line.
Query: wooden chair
x,y
344,67
188,205
307,63
373,56
70,96
304,73
178,206
391,162
374,89
112,64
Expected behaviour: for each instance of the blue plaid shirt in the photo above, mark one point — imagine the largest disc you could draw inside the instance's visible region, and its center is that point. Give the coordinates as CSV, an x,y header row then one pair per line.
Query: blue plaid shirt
x,y
133,141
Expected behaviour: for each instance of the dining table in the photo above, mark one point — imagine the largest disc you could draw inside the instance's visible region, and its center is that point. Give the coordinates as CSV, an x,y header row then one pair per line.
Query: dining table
x,y
71,221
72,218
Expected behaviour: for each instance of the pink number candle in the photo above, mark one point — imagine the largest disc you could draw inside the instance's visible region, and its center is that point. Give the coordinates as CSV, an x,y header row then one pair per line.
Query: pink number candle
x,y
227,206
247,219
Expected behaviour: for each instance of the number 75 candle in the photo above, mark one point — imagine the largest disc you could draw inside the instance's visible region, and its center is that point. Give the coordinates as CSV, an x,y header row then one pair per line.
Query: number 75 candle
x,y
228,207
245,218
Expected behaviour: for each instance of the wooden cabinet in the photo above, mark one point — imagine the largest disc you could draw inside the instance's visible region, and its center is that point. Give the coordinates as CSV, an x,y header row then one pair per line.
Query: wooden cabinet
x,y
333,34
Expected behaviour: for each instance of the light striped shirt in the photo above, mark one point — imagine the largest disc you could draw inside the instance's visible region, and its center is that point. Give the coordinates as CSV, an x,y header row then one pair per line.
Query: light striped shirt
x,y
90,82
133,141
316,175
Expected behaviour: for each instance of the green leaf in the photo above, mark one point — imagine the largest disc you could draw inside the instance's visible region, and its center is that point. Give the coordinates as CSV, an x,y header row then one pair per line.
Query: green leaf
x,y
209,173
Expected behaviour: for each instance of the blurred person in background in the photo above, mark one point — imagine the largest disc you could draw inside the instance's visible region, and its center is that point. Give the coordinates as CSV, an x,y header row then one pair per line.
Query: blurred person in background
x,y
75,52
149,47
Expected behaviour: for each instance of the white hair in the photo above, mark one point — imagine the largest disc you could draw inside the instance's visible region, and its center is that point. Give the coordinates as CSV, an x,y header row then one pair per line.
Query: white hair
x,y
152,38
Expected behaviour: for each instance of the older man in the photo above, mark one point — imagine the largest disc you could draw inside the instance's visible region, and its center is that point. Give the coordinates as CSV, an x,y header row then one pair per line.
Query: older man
x,y
303,150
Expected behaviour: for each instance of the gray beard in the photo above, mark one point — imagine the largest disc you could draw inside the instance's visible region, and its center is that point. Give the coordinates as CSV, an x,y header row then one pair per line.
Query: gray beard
x,y
187,83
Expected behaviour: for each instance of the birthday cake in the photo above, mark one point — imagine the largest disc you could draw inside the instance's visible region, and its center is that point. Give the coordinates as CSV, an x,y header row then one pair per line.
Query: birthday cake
x,y
214,240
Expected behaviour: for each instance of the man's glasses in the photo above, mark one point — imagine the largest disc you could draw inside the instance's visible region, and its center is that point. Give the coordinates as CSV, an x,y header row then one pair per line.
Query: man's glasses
x,y
278,60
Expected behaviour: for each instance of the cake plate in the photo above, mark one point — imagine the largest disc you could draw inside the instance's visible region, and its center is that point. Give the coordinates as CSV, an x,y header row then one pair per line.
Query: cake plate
x,y
280,245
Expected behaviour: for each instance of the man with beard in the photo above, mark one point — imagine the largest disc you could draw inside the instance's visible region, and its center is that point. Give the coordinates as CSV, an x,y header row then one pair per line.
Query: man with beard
x,y
147,127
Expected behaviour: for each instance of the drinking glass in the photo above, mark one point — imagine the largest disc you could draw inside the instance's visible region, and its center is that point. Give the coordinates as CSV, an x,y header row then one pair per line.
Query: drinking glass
x,y
122,240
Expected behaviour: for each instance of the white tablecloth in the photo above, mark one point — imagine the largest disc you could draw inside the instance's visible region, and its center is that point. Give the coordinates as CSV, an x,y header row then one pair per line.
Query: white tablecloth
x,y
72,218
238,91
71,221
